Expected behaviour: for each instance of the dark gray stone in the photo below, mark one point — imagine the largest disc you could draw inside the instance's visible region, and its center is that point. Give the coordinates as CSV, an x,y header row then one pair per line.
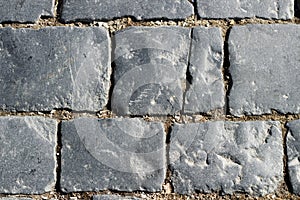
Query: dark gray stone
x,y
113,197
25,10
150,70
293,154
89,10
265,70
54,67
206,88
117,154
226,157
269,9
27,155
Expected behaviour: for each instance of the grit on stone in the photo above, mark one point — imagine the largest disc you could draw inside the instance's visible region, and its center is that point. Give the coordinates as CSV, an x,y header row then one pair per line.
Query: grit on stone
x,y
27,155
89,10
293,154
25,10
150,70
116,154
13,198
113,197
54,67
205,92
265,70
269,9
226,157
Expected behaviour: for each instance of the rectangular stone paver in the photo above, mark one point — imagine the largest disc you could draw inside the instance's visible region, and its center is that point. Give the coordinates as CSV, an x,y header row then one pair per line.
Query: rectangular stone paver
x,y
275,9
117,154
226,157
25,10
150,69
265,70
89,10
27,155
54,67
205,92
293,154
114,197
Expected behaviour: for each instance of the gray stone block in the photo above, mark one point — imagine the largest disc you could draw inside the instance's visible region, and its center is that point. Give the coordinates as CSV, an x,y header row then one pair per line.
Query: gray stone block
x,y
269,9
226,157
25,10
117,154
54,67
205,92
15,198
113,197
293,150
27,155
265,70
150,70
74,10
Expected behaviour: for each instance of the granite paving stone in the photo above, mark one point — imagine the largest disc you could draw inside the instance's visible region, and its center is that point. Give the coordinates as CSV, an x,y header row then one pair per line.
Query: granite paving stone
x,y
25,10
150,70
265,70
268,9
115,154
27,155
205,91
293,154
54,68
227,157
90,10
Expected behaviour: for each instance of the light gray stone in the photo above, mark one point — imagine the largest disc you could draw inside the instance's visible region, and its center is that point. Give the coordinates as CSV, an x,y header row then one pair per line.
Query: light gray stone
x,y
293,154
265,70
226,157
113,197
205,92
150,70
27,155
269,9
25,10
89,10
116,154
54,67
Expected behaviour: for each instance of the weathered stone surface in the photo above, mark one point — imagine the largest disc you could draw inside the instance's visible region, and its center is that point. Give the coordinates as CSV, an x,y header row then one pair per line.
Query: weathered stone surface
x,y
113,197
206,88
265,70
293,154
275,9
27,154
54,67
14,198
25,10
227,157
150,68
117,154
89,10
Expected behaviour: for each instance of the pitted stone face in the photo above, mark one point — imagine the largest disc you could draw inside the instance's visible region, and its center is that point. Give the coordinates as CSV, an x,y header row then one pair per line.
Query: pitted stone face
x,y
28,152
269,9
226,157
25,10
117,154
89,10
54,68
150,66
264,66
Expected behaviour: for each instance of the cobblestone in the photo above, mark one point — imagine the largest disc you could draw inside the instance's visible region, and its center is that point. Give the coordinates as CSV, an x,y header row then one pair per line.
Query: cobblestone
x,y
226,157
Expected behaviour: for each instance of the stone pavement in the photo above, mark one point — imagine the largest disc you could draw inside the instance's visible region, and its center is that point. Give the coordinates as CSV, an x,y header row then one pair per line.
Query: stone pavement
x,y
131,99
